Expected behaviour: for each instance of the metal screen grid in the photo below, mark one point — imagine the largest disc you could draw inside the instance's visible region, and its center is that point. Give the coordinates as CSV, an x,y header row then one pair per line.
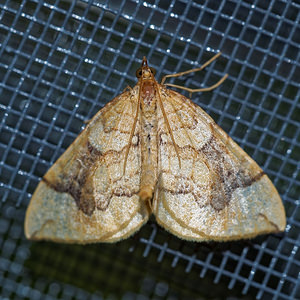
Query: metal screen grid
x,y
60,62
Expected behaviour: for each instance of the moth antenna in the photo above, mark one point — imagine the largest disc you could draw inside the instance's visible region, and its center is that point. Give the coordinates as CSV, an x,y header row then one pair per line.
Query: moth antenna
x,y
201,89
195,70
132,132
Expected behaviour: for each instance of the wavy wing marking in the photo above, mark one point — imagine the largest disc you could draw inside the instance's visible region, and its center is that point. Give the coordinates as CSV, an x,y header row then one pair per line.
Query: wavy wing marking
x,y
85,197
219,193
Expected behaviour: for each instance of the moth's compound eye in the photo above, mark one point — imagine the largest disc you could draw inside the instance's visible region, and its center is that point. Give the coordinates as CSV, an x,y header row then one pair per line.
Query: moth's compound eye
x,y
153,71
138,72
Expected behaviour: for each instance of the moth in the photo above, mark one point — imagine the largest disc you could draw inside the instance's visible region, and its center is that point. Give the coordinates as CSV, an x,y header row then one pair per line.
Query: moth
x,y
153,151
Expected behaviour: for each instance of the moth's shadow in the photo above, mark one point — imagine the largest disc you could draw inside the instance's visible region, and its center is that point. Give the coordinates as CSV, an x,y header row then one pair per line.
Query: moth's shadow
x,y
150,253
96,268
213,254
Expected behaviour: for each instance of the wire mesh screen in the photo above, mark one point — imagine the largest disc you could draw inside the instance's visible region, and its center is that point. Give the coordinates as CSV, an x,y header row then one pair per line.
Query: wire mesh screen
x,y
61,61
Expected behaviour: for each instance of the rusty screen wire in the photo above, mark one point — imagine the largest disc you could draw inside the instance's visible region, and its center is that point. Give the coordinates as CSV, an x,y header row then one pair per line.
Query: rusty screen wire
x,y
61,61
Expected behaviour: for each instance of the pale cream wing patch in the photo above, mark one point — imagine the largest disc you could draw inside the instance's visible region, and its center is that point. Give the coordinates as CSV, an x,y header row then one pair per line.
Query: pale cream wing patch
x,y
219,193
84,196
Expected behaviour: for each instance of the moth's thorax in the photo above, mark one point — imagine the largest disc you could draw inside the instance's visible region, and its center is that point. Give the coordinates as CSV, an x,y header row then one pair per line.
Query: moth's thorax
x,y
148,95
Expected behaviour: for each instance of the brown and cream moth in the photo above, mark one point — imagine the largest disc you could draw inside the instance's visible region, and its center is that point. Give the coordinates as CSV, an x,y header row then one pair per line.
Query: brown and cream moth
x,y
152,150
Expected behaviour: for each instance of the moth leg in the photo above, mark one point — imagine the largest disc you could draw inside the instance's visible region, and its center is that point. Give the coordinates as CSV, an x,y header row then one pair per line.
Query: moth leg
x,y
127,89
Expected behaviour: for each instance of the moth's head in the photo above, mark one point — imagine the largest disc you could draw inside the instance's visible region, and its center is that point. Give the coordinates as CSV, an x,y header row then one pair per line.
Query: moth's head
x,y
145,71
